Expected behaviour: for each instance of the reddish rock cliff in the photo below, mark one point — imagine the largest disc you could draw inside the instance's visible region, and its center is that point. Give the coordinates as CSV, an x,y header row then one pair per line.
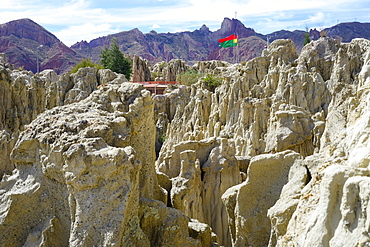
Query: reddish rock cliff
x,y
32,47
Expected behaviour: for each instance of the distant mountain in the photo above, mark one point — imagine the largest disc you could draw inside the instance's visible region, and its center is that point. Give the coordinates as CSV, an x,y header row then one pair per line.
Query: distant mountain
x,y
198,45
296,36
31,46
350,30
24,40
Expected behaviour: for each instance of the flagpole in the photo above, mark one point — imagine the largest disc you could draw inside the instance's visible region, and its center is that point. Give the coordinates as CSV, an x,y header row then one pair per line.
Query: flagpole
x,y
237,53
236,56
236,50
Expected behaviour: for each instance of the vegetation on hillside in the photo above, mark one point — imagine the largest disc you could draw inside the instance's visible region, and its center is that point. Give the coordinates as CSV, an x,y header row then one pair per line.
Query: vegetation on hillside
x,y
212,82
86,63
189,77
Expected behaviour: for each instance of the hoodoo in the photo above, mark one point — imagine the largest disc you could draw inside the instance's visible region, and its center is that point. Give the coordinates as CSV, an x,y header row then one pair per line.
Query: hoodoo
x,y
276,153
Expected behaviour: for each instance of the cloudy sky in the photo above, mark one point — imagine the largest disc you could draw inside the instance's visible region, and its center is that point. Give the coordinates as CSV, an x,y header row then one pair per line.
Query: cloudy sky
x,y
75,20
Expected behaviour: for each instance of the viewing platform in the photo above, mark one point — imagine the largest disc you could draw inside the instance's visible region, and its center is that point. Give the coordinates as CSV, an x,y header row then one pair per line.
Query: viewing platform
x,y
156,87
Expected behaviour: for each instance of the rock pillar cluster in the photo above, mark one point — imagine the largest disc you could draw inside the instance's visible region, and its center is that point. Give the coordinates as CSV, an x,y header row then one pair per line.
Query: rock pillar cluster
x,y
278,154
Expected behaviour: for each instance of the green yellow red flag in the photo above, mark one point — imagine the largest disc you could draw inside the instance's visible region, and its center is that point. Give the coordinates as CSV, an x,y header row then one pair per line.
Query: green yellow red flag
x,y
229,41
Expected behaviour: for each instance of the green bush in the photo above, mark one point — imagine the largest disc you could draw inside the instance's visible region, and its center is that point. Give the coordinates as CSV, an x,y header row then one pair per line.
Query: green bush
x,y
189,77
163,64
154,75
115,60
212,82
86,63
306,37
163,138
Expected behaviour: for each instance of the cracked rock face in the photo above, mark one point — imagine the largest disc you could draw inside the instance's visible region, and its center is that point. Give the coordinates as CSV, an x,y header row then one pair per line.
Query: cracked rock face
x,y
330,210
314,105
25,95
80,172
77,160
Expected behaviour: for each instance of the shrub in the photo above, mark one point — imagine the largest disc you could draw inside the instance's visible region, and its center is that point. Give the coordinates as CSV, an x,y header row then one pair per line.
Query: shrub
x,y
212,82
306,37
162,64
189,77
163,138
86,63
154,75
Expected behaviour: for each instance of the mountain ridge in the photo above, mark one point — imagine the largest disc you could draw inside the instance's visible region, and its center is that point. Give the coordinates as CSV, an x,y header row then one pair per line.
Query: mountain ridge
x,y
191,46
31,46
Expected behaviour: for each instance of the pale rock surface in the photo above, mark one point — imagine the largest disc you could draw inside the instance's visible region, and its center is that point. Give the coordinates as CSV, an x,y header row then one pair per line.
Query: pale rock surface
x,y
221,171
271,104
140,69
187,187
277,155
85,176
25,95
107,76
197,190
354,225
165,107
168,227
22,97
211,67
320,56
169,71
248,202
81,156
203,232
330,208
85,81
300,175
264,105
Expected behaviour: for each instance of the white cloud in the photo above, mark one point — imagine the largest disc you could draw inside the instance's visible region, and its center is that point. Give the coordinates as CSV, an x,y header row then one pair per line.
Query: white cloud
x,y
9,5
317,17
155,25
88,31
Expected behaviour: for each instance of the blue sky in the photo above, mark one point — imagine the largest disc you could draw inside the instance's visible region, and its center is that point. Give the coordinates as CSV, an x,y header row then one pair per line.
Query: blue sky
x,y
75,20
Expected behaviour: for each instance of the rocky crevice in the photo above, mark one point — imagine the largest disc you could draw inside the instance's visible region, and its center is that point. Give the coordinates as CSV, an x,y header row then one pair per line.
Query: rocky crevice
x,y
271,104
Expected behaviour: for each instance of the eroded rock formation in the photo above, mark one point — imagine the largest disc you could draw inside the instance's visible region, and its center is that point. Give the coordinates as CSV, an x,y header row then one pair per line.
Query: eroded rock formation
x,y
331,209
24,96
84,175
169,71
272,104
140,69
277,155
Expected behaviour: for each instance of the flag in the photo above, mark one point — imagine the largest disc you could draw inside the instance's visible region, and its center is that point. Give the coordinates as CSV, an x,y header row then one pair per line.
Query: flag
x,y
230,41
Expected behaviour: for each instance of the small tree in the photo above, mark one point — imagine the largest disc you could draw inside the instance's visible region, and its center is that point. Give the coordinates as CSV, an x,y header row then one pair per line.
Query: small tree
x,y
212,82
86,63
115,60
306,37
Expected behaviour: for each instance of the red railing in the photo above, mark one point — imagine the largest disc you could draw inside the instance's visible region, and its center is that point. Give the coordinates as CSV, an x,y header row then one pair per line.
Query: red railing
x,y
156,87
156,82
